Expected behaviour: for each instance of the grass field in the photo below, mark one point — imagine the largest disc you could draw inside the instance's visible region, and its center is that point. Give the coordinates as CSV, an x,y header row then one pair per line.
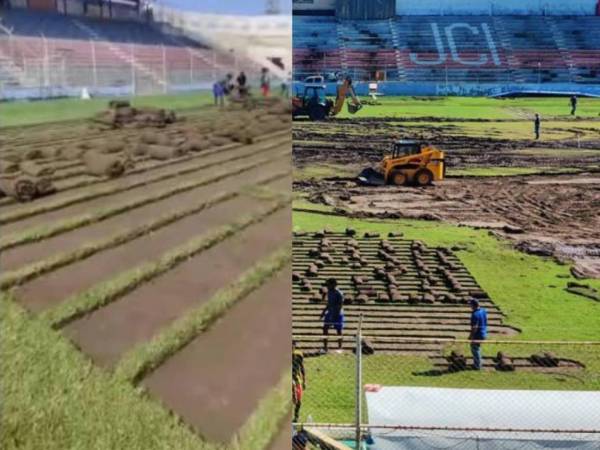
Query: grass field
x,y
44,111
528,289
161,219
476,108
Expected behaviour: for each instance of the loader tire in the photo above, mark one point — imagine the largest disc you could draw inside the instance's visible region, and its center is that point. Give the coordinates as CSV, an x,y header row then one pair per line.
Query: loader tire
x,y
423,177
398,178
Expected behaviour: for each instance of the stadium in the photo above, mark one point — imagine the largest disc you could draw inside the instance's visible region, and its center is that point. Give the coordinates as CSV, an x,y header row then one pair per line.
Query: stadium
x,y
57,48
446,157
448,47
145,215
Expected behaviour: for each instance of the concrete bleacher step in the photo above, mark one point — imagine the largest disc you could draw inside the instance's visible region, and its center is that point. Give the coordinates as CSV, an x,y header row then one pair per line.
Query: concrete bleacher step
x,y
521,41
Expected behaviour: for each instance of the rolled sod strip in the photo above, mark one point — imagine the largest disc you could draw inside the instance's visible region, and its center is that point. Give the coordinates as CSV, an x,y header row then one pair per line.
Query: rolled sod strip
x,y
39,233
110,290
147,356
21,188
110,190
78,168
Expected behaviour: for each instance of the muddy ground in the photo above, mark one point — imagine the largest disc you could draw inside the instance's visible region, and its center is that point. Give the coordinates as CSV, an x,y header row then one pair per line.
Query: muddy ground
x,y
547,214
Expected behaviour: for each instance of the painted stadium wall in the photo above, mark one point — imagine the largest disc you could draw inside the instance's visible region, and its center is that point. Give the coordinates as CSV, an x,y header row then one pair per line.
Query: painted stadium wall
x,y
497,7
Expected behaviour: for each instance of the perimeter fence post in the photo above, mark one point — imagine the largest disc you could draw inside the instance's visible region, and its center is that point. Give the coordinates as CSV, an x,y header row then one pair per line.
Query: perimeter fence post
x,y
358,382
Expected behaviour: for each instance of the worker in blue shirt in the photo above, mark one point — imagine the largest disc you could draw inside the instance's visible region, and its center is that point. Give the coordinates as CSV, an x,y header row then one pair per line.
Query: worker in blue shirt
x,y
478,331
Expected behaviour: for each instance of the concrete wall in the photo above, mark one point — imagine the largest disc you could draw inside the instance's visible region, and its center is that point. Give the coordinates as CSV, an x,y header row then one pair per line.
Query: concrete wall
x,y
498,7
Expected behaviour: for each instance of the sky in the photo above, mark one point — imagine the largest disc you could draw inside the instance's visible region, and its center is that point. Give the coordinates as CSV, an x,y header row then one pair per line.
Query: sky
x,y
246,7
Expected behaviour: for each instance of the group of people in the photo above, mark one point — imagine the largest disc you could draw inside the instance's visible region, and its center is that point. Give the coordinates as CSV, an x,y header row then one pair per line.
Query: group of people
x,y
333,317
537,121
227,86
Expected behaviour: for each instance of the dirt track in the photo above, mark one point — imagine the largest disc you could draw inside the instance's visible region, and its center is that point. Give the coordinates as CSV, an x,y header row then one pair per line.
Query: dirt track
x,y
544,214
194,225
362,141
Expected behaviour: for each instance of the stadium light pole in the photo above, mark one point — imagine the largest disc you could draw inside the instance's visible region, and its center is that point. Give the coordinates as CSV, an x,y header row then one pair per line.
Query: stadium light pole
x,y
273,7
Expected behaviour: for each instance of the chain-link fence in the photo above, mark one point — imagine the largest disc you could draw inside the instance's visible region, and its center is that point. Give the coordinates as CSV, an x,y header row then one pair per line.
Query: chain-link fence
x,y
527,394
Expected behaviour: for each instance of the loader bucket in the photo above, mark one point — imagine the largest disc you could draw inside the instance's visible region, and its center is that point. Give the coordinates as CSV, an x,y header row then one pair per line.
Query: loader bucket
x,y
353,109
370,177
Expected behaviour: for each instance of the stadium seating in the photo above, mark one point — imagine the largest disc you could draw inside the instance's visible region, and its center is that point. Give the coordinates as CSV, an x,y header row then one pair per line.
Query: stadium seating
x,y
54,51
473,49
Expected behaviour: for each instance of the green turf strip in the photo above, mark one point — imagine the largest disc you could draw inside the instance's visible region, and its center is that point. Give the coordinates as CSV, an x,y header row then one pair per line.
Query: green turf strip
x,y
36,234
147,356
110,290
476,108
41,267
53,398
266,421
21,113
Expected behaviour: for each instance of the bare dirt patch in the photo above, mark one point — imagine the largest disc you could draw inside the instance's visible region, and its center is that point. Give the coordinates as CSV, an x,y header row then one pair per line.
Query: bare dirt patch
x,y
555,211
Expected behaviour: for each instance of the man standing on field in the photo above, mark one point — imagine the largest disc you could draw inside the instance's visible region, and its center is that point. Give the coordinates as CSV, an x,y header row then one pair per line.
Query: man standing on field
x,y
298,380
478,331
573,104
332,315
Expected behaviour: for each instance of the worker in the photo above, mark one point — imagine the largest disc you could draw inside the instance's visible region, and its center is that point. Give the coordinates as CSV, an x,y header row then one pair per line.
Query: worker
x,y
478,331
332,315
265,81
241,82
219,94
227,84
352,92
573,104
537,125
298,379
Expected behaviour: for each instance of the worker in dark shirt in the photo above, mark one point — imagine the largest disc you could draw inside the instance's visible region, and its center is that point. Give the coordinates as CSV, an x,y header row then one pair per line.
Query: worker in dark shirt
x,y
241,82
227,84
537,125
332,314
478,331
573,104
